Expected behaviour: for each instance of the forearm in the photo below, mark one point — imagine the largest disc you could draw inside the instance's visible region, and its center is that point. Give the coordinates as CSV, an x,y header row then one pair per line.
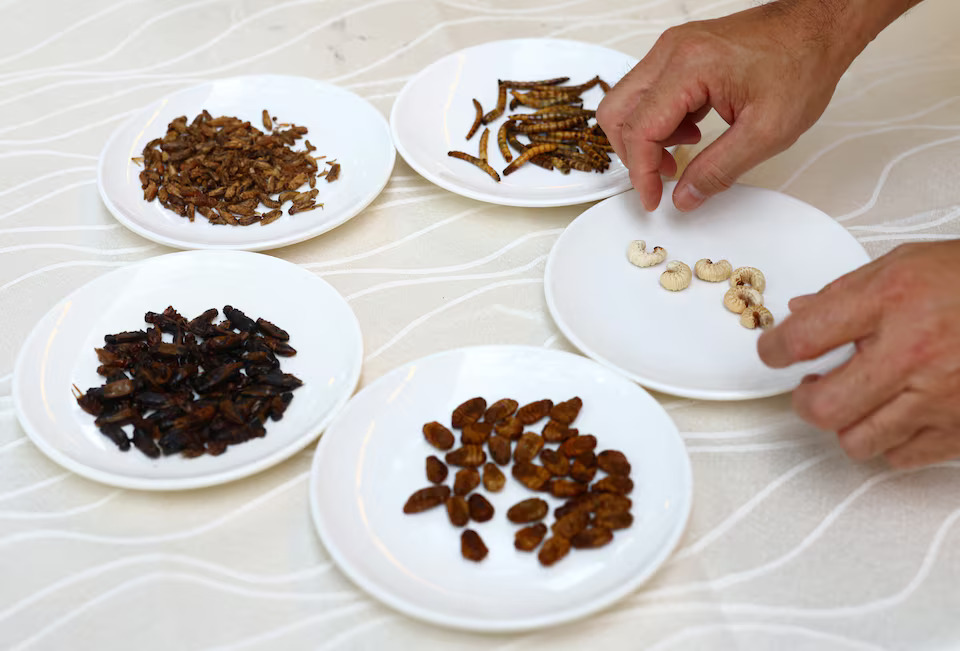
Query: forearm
x,y
843,28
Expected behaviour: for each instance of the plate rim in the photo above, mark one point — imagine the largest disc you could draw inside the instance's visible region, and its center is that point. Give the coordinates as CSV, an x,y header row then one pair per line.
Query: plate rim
x,y
656,385
187,483
265,245
483,196
575,613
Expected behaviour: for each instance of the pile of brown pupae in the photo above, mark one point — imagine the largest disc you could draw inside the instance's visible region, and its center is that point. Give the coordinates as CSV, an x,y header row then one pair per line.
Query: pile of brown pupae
x,y
594,507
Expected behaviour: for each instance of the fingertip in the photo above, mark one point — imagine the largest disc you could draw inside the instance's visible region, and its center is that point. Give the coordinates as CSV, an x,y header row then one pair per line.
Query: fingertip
x,y
650,188
772,349
797,303
687,198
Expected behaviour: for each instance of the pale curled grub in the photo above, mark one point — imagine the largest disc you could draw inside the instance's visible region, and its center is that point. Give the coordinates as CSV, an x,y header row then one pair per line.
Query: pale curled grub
x,y
638,255
756,317
713,272
737,299
677,277
748,276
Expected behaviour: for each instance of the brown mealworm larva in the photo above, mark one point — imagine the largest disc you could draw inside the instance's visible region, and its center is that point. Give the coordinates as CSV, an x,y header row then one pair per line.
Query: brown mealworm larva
x,y
535,126
533,84
477,120
501,105
502,136
483,143
527,155
476,161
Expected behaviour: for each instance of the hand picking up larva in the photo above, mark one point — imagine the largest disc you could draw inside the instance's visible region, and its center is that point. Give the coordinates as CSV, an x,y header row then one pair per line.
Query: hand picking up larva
x,y
638,255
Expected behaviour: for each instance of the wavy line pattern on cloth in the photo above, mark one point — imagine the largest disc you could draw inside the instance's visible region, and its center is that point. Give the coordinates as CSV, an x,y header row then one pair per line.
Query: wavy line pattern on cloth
x,y
736,578
419,265
178,577
788,631
446,306
57,534
85,575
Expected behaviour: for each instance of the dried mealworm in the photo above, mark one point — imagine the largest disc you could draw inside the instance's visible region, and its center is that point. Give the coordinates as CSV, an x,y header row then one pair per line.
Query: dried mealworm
x,y
535,126
527,155
267,124
576,136
483,143
501,105
540,138
477,120
543,161
603,85
554,113
538,102
515,143
502,136
476,161
534,84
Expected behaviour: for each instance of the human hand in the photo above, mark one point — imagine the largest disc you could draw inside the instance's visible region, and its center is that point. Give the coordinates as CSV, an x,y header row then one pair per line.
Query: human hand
x,y
899,395
769,72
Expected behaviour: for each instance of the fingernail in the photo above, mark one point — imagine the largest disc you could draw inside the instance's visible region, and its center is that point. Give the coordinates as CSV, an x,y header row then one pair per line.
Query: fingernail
x,y
687,198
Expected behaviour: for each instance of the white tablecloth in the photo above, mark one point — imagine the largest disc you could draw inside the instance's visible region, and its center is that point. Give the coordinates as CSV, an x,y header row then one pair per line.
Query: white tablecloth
x,y
790,545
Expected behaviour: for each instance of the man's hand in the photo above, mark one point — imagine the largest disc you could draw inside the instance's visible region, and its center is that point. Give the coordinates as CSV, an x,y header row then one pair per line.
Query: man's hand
x,y
769,72
899,395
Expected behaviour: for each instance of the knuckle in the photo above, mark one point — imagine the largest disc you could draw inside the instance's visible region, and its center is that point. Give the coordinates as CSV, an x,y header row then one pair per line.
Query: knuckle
x,y
713,178
815,406
860,442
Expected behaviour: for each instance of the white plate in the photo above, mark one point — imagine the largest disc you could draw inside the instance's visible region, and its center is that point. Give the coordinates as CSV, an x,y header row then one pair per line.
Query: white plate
x,y
434,111
687,343
342,126
60,352
372,458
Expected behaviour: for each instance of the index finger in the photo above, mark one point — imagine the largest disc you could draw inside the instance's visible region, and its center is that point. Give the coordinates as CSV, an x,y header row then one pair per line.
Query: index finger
x,y
659,112
842,312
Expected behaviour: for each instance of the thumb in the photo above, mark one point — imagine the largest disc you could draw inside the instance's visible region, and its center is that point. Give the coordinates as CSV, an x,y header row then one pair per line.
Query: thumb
x,y
719,166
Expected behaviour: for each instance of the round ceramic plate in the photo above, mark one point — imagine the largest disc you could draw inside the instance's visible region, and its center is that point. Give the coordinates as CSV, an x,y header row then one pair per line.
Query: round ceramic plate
x,y
341,125
687,343
434,112
60,353
372,458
